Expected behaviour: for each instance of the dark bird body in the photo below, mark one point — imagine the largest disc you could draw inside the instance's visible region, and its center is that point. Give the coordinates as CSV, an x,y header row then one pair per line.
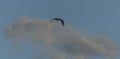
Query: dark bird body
x,y
58,19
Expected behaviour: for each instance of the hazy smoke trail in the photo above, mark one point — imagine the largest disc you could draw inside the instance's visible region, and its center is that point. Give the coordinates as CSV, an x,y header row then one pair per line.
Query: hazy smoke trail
x,y
60,42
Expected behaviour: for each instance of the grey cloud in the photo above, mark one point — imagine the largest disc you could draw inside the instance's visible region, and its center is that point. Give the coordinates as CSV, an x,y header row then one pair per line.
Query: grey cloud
x,y
65,41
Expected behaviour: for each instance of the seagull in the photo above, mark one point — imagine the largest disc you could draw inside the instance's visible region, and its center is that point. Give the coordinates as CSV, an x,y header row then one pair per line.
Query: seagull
x,y
58,19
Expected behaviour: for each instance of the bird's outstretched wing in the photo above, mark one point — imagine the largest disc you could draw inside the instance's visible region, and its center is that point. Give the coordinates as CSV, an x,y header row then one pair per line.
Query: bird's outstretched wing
x,y
62,22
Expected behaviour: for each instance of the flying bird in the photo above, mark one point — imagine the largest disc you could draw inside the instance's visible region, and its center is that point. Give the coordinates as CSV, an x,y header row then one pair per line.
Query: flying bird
x,y
58,19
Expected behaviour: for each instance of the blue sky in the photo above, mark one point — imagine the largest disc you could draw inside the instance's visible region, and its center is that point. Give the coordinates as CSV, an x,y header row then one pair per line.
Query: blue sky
x,y
101,17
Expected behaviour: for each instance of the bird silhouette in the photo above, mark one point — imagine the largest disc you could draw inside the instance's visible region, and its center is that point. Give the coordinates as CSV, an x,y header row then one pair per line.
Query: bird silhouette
x,y
58,19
